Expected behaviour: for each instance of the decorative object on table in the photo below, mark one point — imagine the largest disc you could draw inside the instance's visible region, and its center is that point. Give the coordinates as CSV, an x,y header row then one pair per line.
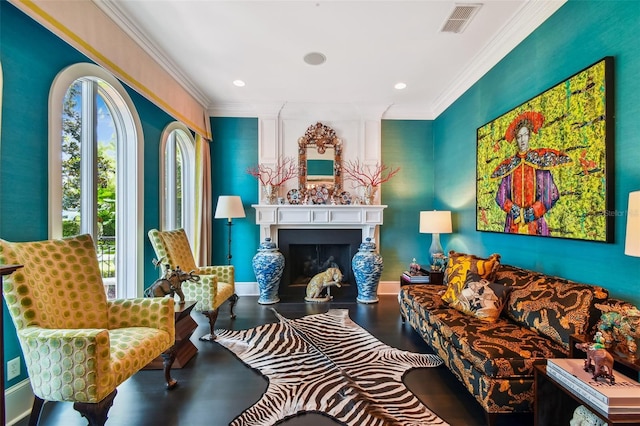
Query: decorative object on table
x,y
582,416
369,177
436,222
414,267
171,283
272,177
619,326
268,265
599,361
229,207
532,156
367,267
320,282
324,344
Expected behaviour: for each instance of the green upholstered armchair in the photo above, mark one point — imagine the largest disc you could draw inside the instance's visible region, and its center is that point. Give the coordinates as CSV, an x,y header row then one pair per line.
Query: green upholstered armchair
x,y
79,346
216,283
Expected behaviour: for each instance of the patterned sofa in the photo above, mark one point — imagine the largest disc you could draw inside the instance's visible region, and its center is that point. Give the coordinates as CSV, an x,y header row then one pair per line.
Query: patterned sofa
x,y
494,359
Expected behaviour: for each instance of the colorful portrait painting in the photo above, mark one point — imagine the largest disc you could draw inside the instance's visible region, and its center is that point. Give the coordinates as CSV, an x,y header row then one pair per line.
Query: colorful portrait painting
x,y
545,168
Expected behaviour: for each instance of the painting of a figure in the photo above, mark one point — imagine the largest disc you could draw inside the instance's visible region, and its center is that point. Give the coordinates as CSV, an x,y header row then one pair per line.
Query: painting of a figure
x,y
543,168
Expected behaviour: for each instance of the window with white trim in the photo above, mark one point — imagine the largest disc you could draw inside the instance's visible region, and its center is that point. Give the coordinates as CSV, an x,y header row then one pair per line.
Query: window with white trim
x,y
95,152
177,177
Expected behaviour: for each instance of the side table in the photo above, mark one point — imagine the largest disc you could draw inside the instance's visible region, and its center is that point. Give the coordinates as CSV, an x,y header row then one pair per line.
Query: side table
x,y
183,349
554,404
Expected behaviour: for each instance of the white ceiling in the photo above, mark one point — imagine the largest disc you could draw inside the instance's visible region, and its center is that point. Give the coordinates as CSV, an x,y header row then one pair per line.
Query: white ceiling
x,y
369,45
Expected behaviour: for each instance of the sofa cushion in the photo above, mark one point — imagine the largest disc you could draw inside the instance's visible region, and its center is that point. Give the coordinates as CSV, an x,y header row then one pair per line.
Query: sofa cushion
x,y
555,307
459,264
481,298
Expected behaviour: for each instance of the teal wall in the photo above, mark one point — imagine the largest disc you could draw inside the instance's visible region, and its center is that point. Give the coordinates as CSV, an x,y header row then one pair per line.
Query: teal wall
x,y
408,145
579,34
31,58
234,149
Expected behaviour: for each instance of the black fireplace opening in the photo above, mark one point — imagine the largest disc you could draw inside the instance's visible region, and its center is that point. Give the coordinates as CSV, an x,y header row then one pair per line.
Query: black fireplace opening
x,y
308,252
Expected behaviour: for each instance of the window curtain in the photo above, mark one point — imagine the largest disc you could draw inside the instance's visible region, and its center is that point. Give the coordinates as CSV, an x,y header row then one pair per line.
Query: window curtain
x,y
202,238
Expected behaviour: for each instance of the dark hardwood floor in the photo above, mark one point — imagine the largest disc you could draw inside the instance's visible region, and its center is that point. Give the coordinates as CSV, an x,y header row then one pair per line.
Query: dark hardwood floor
x,y
215,386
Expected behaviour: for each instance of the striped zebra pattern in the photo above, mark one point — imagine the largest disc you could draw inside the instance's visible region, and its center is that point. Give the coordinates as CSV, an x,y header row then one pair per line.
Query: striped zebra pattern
x,y
327,363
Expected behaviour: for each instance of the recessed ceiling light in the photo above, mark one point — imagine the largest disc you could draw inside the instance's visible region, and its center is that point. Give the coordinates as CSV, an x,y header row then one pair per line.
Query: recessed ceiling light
x,y
238,83
400,86
315,58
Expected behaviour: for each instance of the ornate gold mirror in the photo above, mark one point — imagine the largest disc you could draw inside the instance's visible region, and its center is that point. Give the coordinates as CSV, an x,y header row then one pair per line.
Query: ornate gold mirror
x,y
320,159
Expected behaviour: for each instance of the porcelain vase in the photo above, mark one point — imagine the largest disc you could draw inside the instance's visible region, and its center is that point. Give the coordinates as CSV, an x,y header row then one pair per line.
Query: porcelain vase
x,y
268,265
367,267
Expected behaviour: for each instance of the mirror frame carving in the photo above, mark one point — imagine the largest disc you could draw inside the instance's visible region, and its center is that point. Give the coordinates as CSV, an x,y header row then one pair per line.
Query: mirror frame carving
x,y
320,137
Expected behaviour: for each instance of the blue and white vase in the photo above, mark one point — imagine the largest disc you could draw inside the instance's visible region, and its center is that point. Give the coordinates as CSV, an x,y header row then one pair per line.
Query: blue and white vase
x,y
367,268
268,265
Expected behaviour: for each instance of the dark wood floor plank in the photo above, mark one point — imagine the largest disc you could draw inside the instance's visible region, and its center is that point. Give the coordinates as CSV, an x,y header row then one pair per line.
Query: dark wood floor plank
x,y
215,386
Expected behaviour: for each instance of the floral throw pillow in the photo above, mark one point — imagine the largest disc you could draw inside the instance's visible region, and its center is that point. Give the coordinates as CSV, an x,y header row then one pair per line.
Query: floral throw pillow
x,y
461,263
481,298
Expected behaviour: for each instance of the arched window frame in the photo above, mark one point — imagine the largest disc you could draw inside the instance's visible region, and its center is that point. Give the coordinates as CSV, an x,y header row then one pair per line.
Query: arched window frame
x,y
130,154
184,138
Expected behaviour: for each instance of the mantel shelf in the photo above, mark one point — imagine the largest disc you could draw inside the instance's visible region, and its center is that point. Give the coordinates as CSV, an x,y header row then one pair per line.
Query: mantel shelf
x,y
271,217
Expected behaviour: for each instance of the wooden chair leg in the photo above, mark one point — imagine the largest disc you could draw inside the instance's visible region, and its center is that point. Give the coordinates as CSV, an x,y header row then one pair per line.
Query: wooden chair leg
x,y
36,410
213,316
96,413
167,361
232,302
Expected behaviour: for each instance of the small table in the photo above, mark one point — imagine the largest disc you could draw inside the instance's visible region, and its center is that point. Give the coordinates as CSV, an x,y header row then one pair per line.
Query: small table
x,y
183,349
554,404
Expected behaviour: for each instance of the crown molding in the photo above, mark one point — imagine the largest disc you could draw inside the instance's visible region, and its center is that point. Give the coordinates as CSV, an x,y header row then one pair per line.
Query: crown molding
x,y
113,10
529,17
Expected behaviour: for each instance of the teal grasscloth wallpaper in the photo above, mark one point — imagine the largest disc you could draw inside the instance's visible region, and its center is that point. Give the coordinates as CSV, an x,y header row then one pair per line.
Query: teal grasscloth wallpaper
x,y
437,157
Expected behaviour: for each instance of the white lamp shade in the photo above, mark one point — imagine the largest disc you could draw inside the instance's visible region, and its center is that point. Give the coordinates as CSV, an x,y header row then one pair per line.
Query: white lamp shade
x,y
229,207
435,222
632,240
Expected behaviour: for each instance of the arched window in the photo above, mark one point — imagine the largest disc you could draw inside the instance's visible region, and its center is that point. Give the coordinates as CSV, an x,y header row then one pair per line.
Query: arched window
x,y
177,179
95,153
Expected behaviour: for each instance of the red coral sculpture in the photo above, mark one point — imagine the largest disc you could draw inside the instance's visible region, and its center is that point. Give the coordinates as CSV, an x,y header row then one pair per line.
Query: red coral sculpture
x,y
367,175
286,168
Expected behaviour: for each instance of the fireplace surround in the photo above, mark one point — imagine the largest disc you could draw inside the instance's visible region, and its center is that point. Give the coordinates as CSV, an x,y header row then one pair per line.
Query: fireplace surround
x,y
314,237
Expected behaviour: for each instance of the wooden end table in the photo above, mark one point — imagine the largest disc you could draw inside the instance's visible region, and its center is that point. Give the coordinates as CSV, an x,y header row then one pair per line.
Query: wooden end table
x,y
554,404
183,349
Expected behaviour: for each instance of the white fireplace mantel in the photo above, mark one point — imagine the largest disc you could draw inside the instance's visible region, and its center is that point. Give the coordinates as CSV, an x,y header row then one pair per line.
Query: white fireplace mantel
x,y
317,216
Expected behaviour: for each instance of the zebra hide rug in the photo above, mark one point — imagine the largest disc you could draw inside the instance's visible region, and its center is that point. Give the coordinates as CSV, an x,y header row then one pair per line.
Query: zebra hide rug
x,y
328,364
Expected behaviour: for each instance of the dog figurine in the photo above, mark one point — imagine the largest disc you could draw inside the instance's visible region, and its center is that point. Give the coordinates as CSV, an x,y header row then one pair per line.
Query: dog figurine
x,y
330,277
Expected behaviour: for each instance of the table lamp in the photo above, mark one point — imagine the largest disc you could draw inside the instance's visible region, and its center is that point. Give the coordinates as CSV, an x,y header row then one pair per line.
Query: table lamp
x,y
435,222
229,207
632,239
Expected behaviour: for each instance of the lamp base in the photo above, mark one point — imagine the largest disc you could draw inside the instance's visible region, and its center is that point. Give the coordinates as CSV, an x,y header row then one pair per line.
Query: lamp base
x,y
436,253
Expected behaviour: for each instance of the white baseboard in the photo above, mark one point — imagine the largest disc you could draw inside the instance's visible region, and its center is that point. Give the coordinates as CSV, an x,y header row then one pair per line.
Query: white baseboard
x,y
18,402
251,288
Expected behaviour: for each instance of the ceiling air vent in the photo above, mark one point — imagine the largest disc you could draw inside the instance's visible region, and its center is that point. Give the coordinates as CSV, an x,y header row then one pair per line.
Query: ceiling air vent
x,y
460,17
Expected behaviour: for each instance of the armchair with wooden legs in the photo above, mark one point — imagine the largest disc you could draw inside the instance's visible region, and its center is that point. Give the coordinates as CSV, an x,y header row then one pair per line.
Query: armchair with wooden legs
x,y
216,284
78,346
